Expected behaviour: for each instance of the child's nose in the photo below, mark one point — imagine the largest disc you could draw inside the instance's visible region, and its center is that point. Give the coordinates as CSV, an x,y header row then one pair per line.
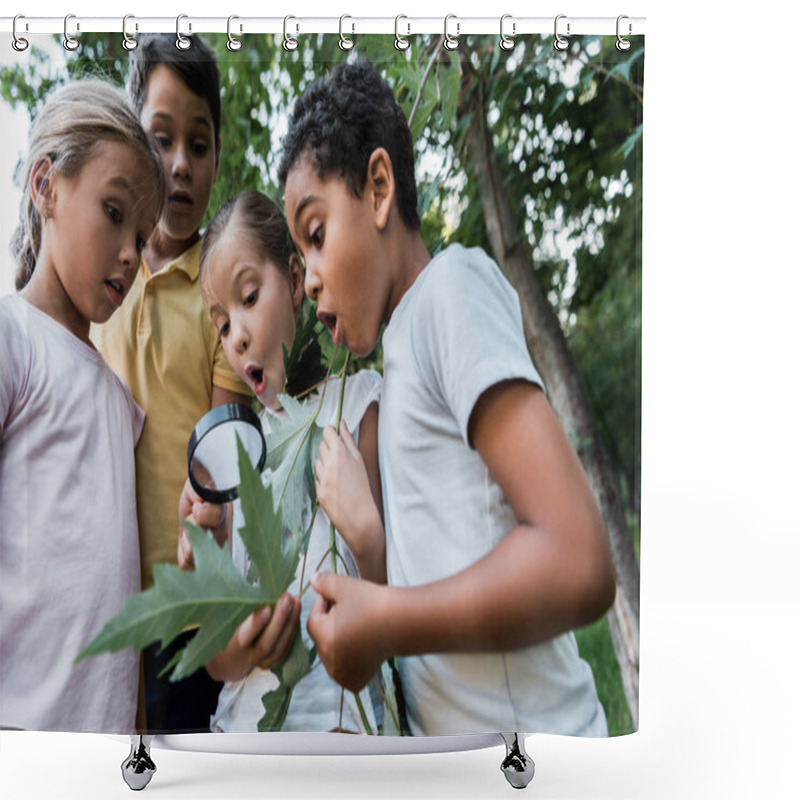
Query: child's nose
x,y
180,160
129,254
313,284
241,340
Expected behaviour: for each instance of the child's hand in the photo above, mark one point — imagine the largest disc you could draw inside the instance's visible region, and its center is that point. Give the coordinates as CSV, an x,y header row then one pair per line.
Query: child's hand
x,y
263,640
349,643
210,516
344,493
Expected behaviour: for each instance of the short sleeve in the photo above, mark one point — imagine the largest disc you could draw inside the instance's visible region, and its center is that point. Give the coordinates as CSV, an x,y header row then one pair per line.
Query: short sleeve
x,y
9,363
361,390
136,411
467,333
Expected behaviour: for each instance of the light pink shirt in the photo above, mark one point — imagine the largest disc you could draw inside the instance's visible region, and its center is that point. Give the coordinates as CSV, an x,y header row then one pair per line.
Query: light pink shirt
x,y
69,548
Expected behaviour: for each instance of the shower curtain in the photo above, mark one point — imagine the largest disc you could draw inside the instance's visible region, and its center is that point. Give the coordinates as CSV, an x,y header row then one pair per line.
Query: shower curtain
x,y
528,146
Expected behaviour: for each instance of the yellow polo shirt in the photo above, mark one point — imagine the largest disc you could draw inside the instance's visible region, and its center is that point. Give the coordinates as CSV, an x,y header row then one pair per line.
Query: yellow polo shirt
x,y
162,342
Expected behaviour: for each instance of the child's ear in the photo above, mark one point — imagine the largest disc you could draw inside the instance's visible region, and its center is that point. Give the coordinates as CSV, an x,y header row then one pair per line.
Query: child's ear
x,y
41,186
380,185
297,281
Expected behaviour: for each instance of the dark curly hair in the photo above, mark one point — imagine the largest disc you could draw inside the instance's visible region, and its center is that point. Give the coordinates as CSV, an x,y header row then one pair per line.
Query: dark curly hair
x,y
340,121
196,67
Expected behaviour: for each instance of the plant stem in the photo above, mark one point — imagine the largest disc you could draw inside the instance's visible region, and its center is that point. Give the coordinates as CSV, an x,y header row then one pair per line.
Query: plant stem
x,y
379,686
364,720
338,424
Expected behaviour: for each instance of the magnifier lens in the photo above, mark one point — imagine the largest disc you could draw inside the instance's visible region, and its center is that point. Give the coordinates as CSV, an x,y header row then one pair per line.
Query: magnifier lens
x,y
213,456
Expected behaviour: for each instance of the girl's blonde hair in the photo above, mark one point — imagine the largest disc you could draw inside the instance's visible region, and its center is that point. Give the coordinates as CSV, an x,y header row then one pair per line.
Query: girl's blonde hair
x,y
74,123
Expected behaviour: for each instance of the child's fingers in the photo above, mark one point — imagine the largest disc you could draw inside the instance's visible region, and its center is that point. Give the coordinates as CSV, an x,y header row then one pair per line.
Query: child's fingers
x,y
349,441
208,515
329,436
252,627
326,585
185,555
267,636
286,638
318,623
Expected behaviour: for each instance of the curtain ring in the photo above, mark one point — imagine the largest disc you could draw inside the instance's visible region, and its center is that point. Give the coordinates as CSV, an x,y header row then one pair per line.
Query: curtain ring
x,y
289,43
128,42
623,44
70,42
451,42
182,42
507,42
345,42
18,42
234,44
561,42
400,42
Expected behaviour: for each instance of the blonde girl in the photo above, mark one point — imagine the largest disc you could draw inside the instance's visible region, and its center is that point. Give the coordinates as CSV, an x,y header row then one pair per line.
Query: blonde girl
x,y
69,552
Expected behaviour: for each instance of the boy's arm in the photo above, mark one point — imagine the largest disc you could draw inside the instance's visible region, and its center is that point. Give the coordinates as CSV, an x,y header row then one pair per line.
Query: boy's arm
x,y
553,572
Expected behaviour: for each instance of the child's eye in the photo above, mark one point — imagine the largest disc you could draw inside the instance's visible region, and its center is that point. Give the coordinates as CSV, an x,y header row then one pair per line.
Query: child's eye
x,y
316,237
200,148
114,214
224,328
162,141
251,298
140,243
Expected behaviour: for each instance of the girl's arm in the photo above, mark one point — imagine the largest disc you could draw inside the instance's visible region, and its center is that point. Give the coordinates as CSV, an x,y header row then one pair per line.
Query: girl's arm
x,y
552,573
348,488
220,396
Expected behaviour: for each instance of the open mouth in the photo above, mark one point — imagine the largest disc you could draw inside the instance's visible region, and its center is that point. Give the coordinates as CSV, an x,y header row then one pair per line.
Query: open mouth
x,y
256,377
117,290
331,322
180,199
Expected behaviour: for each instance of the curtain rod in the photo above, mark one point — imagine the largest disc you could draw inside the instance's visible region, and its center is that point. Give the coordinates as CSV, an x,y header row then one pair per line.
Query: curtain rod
x,y
186,24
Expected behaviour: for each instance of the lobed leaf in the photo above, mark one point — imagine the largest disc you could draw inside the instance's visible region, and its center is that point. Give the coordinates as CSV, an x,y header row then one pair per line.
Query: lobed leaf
x,y
263,532
214,596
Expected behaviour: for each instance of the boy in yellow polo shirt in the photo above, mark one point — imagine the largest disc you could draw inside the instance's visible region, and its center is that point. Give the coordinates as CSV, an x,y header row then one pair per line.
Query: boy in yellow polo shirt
x,y
162,340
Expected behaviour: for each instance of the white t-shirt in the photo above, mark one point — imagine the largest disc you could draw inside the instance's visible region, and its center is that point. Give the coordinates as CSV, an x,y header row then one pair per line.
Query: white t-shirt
x,y
455,333
316,698
69,543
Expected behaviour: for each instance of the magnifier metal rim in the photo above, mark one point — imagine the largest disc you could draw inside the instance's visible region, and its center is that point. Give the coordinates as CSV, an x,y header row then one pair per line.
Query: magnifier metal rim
x,y
228,412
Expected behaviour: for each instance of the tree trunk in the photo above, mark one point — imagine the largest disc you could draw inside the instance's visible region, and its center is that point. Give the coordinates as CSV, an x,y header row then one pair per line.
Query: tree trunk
x,y
554,362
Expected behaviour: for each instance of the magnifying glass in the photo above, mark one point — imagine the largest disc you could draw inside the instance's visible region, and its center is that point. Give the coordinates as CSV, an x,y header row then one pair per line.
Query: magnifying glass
x,y
212,453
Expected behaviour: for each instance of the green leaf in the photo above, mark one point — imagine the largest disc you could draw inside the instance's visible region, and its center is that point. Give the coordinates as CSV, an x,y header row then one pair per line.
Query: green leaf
x,y
263,533
214,596
305,365
276,707
288,456
629,145
294,669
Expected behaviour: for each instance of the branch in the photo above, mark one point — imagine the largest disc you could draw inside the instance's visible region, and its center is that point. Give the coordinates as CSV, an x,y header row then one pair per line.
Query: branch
x,y
421,89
